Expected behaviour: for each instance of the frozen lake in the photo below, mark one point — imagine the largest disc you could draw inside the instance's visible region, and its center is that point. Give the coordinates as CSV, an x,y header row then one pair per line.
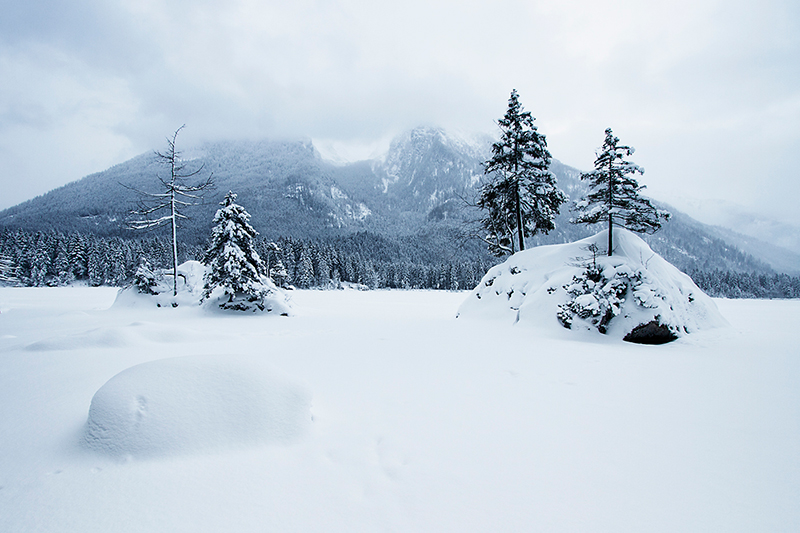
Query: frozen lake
x,y
416,421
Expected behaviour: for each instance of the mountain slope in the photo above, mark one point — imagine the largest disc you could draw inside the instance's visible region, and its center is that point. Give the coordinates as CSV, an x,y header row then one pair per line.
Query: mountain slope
x,y
417,190
285,185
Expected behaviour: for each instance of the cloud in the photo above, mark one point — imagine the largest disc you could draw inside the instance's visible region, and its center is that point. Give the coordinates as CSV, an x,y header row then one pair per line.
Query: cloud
x,y
59,120
686,82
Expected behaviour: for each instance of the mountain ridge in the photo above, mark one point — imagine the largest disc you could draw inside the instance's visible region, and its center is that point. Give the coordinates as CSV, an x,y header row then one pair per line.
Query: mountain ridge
x,y
417,187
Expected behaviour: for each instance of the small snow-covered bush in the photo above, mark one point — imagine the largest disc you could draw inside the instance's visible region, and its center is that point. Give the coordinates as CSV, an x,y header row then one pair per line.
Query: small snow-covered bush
x,y
594,298
262,297
598,296
146,281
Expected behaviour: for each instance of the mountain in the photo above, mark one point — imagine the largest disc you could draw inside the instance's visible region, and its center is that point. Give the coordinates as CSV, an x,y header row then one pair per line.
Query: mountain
x,y
726,214
416,191
426,168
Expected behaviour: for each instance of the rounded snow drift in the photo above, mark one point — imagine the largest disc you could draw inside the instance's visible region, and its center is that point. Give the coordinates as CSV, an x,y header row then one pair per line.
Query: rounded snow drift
x,y
192,404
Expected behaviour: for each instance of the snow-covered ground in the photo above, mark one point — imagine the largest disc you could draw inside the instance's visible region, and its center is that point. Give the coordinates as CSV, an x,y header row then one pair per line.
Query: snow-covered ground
x,y
406,419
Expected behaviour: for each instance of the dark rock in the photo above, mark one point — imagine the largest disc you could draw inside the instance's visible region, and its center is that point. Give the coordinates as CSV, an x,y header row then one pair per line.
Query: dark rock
x,y
653,332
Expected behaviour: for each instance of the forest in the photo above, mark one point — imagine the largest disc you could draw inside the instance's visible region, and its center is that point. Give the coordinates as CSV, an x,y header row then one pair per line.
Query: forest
x,y
365,259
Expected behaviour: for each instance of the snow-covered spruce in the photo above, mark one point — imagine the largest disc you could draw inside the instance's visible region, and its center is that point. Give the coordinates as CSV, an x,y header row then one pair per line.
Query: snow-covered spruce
x,y
522,198
237,278
7,271
614,194
634,295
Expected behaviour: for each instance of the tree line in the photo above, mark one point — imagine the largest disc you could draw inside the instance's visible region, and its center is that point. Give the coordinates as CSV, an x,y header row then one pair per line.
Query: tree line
x,y
723,284
43,259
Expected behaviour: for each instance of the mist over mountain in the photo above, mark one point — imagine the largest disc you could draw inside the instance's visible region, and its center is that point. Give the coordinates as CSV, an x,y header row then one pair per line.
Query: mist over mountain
x,y
728,215
416,192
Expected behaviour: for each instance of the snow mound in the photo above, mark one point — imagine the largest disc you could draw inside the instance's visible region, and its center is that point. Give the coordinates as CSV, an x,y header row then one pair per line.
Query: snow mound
x,y
268,298
96,338
192,404
190,288
634,293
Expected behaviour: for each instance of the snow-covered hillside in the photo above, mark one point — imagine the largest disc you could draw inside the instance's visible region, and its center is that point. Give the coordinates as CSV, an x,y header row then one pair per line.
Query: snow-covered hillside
x,y
396,417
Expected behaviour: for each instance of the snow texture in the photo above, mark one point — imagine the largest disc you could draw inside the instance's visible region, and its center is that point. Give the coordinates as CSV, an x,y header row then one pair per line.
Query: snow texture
x,y
420,422
534,287
190,404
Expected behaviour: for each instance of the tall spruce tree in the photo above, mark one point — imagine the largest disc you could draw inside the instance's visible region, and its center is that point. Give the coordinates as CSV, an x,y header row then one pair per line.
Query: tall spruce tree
x,y
234,265
522,198
614,194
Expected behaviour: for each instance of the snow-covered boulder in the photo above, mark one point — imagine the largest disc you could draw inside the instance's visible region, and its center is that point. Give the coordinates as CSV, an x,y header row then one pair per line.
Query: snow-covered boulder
x,y
193,404
634,295
159,291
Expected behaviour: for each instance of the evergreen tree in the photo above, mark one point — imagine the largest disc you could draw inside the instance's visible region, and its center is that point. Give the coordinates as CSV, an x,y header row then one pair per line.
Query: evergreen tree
x,y
77,255
275,268
95,270
614,193
322,270
39,260
234,264
304,269
61,265
522,198
7,271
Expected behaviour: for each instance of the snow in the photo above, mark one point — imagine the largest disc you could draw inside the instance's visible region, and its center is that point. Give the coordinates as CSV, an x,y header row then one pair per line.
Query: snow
x,y
192,403
190,289
399,418
530,286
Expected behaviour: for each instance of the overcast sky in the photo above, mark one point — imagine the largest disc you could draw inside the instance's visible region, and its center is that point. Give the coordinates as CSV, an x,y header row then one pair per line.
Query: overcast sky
x,y
708,92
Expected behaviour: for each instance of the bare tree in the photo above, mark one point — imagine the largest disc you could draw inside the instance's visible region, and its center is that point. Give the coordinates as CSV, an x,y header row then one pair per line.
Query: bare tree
x,y
157,209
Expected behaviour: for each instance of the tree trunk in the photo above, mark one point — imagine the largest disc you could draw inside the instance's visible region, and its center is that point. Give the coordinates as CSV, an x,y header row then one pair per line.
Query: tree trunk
x,y
518,207
174,250
610,204
174,208
520,233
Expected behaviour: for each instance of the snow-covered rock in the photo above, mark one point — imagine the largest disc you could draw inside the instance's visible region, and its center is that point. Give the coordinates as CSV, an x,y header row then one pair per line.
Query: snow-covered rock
x,y
570,285
190,288
192,404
